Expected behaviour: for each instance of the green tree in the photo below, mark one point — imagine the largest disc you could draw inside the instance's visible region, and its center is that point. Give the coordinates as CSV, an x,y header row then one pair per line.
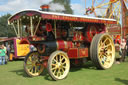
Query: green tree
x,y
66,4
5,29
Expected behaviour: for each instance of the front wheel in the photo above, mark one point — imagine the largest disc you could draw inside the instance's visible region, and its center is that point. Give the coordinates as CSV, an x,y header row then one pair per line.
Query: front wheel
x,y
32,65
58,65
102,51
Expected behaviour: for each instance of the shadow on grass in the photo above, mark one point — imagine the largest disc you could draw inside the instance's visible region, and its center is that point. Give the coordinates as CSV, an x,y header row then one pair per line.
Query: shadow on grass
x,y
21,72
87,65
125,82
46,75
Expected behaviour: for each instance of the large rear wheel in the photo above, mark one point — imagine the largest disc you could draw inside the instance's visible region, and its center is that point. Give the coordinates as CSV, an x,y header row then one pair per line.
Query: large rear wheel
x,y
58,65
102,51
32,65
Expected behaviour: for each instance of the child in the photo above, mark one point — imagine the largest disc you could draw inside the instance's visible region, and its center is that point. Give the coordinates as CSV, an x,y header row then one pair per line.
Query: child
x,y
2,55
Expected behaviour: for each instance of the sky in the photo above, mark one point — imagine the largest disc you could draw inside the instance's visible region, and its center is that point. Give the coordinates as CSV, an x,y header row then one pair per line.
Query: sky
x,y
13,6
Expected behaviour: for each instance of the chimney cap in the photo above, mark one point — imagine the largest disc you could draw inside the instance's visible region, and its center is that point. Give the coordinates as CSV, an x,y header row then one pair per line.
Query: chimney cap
x,y
45,6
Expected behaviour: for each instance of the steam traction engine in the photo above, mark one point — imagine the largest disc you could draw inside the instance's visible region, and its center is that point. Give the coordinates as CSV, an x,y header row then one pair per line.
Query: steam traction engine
x,y
63,39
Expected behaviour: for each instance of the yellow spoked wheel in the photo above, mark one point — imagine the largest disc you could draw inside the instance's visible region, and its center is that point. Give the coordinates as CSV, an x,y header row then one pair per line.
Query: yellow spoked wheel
x,y
32,66
58,65
102,51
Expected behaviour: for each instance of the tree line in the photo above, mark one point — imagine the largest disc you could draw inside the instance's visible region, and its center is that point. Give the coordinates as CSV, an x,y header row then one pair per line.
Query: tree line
x,y
5,29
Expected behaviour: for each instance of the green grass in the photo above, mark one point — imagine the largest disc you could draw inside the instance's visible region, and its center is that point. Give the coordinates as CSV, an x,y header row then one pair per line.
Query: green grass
x,y
13,74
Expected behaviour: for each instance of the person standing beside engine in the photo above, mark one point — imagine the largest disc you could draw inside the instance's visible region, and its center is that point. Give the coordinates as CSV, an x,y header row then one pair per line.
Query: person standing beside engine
x,y
123,50
2,54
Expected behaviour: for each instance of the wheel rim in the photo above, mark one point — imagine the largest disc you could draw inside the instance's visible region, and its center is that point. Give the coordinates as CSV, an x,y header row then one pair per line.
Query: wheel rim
x,y
33,66
106,51
60,66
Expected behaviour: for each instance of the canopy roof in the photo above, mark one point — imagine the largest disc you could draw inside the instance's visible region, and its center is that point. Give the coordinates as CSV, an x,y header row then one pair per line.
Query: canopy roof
x,y
60,16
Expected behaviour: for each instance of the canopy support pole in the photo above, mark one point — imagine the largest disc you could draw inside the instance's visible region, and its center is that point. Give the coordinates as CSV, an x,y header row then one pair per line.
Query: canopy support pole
x,y
55,28
37,25
21,28
14,29
31,24
18,26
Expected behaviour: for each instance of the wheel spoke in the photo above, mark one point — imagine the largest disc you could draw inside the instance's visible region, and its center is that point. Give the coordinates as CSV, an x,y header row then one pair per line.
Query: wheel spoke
x,y
29,59
28,67
53,68
54,71
62,70
55,60
35,69
64,63
100,56
109,52
59,73
31,69
101,44
105,40
64,66
108,45
54,65
62,59
59,58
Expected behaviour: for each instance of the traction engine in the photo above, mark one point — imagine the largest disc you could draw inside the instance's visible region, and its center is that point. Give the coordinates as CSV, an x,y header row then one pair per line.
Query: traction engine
x,y
62,40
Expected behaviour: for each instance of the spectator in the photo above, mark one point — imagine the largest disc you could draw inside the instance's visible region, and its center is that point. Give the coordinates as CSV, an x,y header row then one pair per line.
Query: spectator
x,y
127,47
123,50
6,57
2,54
8,51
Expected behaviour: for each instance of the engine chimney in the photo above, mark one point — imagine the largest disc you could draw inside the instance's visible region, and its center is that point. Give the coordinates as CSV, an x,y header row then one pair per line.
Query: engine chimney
x,y
44,7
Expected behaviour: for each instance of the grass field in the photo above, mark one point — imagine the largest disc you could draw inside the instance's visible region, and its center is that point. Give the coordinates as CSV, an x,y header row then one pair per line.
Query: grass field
x,y
13,74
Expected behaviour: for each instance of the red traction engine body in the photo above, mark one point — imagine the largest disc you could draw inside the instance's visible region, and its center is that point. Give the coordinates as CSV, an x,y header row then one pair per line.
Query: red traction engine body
x,y
76,47
62,40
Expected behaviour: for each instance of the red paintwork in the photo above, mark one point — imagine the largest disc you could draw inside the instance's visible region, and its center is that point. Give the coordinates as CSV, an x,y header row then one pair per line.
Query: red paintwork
x,y
70,44
60,45
45,61
91,32
83,52
48,27
24,41
78,36
64,45
77,19
75,53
